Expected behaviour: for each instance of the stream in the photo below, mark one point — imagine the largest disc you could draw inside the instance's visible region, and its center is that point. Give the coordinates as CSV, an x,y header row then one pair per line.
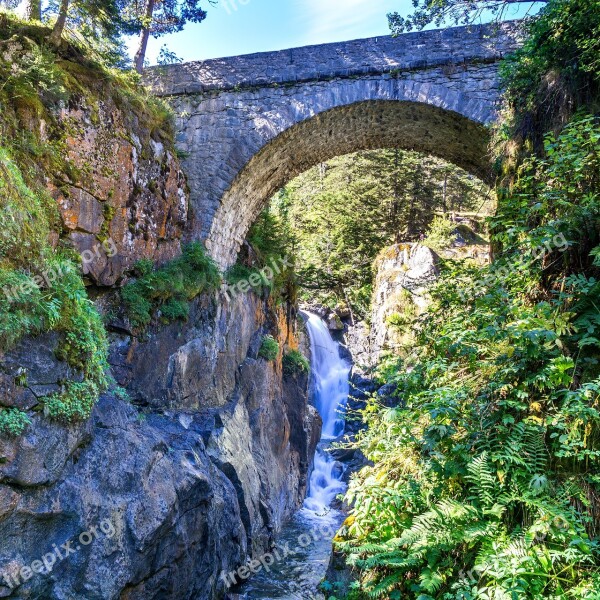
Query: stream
x,y
303,547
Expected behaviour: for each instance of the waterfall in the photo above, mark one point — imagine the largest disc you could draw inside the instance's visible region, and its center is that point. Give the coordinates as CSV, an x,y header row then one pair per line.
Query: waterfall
x,y
331,380
297,577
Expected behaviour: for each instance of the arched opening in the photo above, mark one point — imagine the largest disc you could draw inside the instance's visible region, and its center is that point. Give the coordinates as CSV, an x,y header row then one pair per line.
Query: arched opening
x,y
369,125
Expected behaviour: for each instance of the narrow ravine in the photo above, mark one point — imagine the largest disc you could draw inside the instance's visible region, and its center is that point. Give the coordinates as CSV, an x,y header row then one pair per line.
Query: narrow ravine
x,y
303,548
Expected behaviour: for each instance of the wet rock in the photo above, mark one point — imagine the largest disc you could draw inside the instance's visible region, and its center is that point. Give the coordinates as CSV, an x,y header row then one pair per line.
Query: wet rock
x,y
339,575
334,323
358,342
320,310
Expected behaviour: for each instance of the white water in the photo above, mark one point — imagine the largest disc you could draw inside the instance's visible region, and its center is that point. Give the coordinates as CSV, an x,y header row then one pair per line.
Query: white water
x,y
297,577
331,377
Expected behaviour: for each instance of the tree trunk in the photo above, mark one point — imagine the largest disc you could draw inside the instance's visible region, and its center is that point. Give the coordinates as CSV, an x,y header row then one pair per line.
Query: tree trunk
x,y
34,10
396,202
140,55
445,194
59,26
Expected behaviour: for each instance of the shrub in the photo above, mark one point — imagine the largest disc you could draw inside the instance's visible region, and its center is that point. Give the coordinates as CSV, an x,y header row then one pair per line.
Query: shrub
x,y
483,485
74,403
171,287
294,363
440,234
269,348
13,421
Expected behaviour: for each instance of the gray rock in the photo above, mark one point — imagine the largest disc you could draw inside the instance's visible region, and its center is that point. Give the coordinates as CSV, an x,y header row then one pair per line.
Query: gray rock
x,y
39,456
403,274
191,487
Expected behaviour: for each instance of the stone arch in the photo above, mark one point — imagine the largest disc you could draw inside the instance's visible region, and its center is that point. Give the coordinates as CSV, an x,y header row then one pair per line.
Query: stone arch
x,y
443,124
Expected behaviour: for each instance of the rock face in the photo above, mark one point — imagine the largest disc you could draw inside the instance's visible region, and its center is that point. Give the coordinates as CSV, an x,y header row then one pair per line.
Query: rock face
x,y
404,272
104,152
178,489
123,196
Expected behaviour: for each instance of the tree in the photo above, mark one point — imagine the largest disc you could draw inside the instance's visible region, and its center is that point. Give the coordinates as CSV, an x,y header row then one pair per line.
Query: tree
x,y
342,213
93,19
160,17
457,12
33,11
61,21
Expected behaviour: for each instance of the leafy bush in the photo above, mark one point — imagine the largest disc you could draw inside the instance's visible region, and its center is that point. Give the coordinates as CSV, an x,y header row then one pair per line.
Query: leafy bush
x,y
269,244
295,363
269,348
74,403
556,72
13,421
440,234
484,485
170,288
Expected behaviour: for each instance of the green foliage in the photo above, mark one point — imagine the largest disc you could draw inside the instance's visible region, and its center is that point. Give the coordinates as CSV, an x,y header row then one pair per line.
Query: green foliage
x,y
269,348
555,199
121,393
295,363
343,212
269,244
167,57
556,72
30,74
62,306
440,234
74,403
169,288
484,482
13,421
25,217
449,12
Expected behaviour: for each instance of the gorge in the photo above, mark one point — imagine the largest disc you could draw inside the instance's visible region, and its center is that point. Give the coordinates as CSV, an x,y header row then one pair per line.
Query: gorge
x,y
313,323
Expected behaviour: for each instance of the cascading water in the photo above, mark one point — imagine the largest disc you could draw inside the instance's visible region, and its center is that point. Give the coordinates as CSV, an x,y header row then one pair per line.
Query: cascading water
x,y
298,574
331,380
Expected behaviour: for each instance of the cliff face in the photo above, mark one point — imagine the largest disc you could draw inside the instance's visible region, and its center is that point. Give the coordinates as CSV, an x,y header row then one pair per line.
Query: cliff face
x,y
101,150
188,486
122,185
163,494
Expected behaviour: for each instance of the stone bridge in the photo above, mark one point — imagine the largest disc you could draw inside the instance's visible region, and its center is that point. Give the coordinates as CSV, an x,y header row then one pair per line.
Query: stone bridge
x,y
249,124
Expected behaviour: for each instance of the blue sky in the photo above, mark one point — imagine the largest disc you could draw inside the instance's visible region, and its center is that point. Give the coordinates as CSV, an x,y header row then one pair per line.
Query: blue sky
x,y
244,26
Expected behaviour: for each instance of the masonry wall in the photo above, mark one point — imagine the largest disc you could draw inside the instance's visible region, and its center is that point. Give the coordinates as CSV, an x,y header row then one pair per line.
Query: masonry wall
x,y
232,112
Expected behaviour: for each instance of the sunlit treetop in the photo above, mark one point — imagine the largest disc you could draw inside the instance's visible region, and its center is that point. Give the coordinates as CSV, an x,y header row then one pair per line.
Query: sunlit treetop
x,y
451,12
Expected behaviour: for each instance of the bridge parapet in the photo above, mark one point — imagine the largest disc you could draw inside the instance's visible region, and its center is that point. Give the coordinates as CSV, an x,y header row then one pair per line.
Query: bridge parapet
x,y
371,56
